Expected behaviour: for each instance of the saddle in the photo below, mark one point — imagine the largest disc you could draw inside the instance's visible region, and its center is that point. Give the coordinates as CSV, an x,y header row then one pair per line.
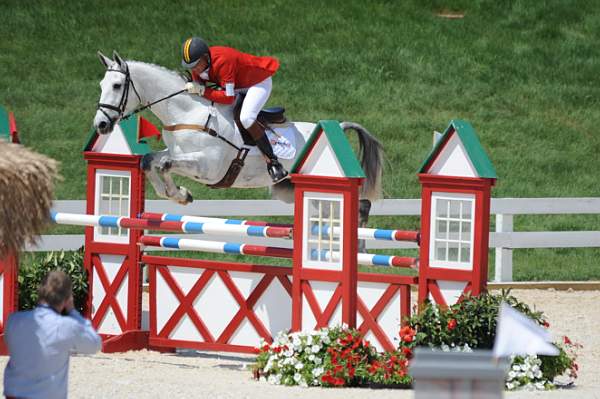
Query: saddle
x,y
266,117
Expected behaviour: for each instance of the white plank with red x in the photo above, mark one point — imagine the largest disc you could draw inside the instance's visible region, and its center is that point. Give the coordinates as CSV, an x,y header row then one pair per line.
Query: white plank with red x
x,y
109,301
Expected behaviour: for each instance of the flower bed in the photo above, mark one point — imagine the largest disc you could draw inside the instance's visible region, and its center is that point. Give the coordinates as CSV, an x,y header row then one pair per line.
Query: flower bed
x,y
339,356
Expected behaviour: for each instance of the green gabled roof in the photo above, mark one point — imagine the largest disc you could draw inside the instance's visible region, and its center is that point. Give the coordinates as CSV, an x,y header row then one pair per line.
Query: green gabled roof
x,y
481,162
130,129
340,145
4,125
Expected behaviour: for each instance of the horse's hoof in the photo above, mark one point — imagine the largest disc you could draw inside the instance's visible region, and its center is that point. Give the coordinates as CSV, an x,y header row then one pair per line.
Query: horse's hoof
x,y
188,198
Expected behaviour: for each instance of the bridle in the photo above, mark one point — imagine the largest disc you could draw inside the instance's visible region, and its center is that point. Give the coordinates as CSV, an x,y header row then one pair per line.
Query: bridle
x,y
120,109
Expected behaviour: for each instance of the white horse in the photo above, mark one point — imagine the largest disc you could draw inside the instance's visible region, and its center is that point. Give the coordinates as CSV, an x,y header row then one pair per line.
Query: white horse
x,y
200,136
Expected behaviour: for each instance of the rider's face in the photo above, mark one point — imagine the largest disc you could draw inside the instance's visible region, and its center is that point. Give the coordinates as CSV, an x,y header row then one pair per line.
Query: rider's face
x,y
201,66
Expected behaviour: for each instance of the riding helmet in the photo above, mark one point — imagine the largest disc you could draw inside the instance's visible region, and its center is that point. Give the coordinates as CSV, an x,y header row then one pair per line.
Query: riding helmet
x,y
193,49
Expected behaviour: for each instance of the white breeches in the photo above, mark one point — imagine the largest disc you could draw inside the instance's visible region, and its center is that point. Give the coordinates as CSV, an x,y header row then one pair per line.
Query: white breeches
x,y
256,98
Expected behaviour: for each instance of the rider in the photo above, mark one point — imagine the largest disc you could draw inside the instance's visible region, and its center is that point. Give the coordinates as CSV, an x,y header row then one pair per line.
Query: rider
x,y
233,70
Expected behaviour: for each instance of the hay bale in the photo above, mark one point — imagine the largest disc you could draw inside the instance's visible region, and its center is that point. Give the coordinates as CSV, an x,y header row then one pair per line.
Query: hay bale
x,y
26,193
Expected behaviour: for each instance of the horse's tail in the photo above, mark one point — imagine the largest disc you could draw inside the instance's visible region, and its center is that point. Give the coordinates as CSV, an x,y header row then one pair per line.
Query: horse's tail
x,y
370,155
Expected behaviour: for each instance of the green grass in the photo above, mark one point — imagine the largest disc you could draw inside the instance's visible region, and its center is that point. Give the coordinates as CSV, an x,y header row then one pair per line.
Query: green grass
x,y
524,73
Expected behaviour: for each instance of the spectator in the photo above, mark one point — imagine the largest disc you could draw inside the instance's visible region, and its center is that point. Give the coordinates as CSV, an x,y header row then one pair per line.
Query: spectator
x,y
41,340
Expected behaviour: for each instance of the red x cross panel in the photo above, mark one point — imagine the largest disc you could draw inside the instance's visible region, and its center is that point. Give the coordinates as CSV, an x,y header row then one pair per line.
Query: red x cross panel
x,y
186,304
370,316
438,297
111,288
323,317
247,306
210,340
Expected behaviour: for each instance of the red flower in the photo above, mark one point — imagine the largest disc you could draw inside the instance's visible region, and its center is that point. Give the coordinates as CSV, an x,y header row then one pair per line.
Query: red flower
x,y
546,324
338,381
407,352
407,338
567,340
452,324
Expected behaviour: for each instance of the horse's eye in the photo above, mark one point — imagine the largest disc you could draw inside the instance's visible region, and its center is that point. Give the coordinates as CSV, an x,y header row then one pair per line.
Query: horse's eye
x,y
117,86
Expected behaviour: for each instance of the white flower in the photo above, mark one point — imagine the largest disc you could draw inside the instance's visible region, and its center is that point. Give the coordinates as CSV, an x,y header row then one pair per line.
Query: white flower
x,y
540,386
511,375
318,371
299,366
297,377
315,348
303,383
311,357
315,382
445,348
309,340
272,379
510,385
318,360
516,367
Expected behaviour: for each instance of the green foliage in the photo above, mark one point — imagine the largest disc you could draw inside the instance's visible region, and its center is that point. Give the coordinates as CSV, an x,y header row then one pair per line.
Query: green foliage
x,y
471,323
30,276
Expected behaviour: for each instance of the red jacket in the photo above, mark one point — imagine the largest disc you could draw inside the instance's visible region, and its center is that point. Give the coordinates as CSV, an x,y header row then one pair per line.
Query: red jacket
x,y
229,66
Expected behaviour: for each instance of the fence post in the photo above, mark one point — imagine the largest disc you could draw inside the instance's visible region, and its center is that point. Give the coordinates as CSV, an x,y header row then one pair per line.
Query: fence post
x,y
504,264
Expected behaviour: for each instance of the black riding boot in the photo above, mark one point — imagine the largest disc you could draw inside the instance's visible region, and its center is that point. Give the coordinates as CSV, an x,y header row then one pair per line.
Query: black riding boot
x,y
275,169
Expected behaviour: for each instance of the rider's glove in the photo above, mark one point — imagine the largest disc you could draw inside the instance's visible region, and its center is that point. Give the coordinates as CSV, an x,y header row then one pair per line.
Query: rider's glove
x,y
194,88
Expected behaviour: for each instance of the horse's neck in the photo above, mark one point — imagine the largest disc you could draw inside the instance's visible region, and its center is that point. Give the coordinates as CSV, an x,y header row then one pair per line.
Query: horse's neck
x,y
154,83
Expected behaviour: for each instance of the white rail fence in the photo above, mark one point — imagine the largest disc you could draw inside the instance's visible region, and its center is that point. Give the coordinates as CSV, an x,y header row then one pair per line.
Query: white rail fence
x,y
504,240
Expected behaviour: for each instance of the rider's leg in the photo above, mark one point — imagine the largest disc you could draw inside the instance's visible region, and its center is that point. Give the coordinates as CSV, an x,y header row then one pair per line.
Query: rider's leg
x,y
256,98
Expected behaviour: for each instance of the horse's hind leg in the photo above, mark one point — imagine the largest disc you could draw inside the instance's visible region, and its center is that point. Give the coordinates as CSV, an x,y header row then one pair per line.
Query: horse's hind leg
x,y
364,207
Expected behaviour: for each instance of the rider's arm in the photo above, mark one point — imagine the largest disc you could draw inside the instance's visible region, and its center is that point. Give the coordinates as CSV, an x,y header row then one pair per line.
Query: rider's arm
x,y
227,81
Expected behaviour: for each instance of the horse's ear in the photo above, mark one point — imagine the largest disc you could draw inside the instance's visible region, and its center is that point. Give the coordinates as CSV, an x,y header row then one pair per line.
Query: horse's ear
x,y
104,59
118,58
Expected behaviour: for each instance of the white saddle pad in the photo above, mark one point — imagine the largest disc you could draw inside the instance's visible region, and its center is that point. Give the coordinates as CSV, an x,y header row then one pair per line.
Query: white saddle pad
x,y
283,141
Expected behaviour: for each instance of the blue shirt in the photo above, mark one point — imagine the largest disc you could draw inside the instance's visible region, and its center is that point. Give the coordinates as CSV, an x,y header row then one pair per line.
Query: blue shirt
x,y
40,342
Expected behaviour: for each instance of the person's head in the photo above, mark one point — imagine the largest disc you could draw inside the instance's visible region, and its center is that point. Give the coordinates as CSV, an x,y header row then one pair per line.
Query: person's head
x,y
55,289
196,55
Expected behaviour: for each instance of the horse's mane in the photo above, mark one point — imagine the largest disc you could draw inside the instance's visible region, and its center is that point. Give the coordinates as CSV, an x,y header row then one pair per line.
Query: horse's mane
x,y
161,68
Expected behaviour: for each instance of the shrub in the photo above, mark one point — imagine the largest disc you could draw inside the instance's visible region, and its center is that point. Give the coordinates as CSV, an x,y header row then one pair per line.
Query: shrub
x,y
471,323
30,276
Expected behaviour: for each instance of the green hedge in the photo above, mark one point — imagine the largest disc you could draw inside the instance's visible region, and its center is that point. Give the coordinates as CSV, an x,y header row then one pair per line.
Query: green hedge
x,y
31,274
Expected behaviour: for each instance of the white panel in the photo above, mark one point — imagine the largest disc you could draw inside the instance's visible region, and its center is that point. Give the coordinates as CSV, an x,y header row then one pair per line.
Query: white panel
x,y
336,317
451,290
98,292
246,282
112,264
122,297
215,306
453,160
322,161
165,302
185,277
323,291
109,324
274,308
113,143
370,293
389,319
308,318
245,335
185,330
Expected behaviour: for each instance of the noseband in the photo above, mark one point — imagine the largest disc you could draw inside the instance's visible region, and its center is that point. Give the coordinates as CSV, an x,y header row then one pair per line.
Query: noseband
x,y
120,109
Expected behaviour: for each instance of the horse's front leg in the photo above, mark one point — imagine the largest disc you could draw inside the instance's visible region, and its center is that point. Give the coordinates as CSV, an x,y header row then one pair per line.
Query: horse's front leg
x,y
195,165
150,165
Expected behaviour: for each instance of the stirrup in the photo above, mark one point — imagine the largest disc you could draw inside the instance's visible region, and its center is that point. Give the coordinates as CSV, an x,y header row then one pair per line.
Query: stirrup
x,y
276,171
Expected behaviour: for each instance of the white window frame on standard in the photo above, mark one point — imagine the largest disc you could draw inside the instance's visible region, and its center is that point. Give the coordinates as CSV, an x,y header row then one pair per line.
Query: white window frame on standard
x,y
331,242
116,197
459,210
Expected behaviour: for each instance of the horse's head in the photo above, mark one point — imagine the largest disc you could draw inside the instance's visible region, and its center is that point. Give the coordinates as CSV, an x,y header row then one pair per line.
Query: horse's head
x,y
115,99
